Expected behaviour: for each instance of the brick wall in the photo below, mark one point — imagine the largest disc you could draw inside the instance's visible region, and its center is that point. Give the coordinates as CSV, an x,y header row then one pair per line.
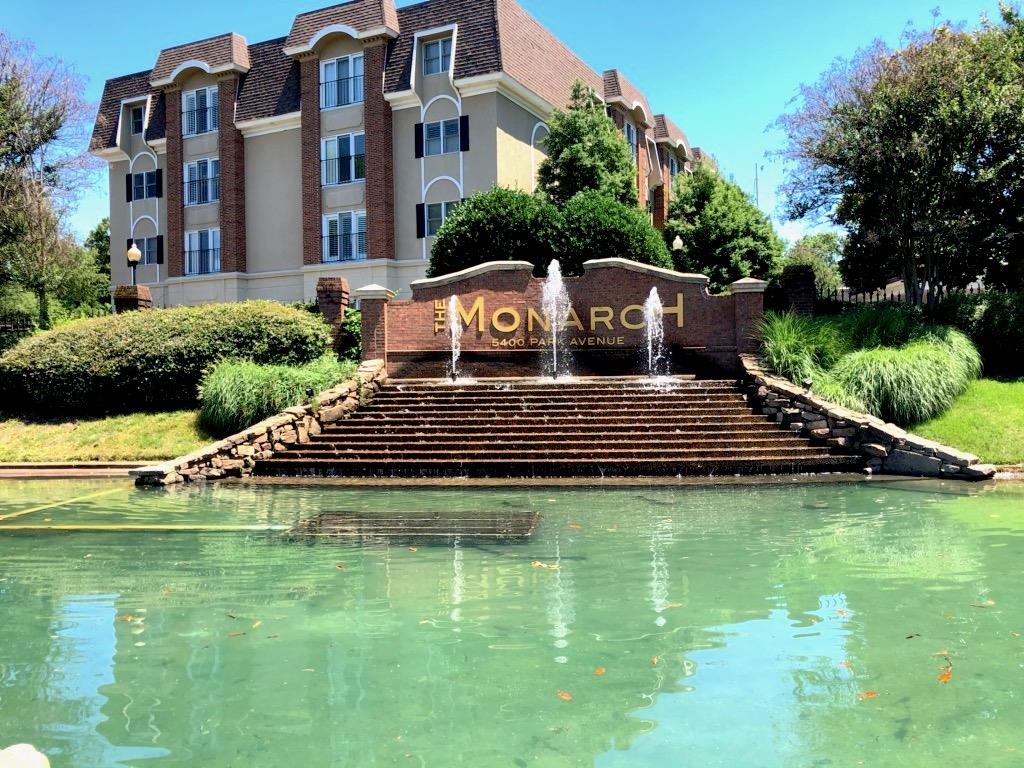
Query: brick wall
x,y
659,211
712,328
380,176
332,298
231,149
312,209
175,238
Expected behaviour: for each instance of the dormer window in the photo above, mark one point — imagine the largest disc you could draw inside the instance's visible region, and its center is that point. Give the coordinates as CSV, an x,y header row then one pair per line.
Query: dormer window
x,y
199,112
137,116
341,82
437,56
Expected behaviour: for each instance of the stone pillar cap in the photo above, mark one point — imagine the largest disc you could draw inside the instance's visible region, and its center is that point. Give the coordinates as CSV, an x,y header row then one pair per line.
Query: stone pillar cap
x,y
374,291
748,285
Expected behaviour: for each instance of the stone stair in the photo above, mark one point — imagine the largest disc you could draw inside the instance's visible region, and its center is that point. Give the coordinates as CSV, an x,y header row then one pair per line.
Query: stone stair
x,y
536,428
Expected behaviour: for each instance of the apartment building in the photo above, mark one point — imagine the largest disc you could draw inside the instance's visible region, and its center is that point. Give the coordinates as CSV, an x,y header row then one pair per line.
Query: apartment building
x,y
251,171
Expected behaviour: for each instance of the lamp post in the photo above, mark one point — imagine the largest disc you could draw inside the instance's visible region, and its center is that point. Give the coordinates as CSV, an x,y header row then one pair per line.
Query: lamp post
x,y
134,257
677,244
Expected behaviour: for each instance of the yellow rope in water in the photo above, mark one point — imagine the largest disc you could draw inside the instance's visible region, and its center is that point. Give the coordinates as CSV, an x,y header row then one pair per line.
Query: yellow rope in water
x,y
61,503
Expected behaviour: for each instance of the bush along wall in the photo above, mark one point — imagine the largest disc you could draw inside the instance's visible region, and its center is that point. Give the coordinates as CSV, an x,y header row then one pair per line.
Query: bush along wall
x,y
236,456
154,359
886,447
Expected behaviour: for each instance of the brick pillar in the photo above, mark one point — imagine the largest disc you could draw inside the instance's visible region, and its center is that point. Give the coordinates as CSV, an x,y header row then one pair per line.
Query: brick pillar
x,y
748,305
643,168
332,298
128,298
380,175
175,238
231,149
798,285
312,206
373,305
662,193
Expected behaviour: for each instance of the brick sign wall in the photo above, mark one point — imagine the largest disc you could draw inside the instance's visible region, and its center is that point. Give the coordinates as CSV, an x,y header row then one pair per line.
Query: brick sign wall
x,y
504,329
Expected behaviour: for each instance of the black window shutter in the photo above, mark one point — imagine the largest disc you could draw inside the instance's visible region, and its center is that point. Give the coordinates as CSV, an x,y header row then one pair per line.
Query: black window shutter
x,y
421,221
419,140
464,133
159,249
159,182
127,187
129,246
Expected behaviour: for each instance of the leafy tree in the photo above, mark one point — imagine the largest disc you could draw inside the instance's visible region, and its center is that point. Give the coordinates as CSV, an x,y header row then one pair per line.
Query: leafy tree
x,y
98,241
822,253
595,226
917,153
586,152
497,225
43,123
723,234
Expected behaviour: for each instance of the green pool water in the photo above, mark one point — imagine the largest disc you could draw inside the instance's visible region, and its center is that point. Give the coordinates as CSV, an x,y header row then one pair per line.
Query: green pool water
x,y
873,623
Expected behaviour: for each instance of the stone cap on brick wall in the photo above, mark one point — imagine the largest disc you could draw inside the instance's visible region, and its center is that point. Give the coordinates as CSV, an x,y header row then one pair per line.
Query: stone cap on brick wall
x,y
646,269
477,269
373,291
748,285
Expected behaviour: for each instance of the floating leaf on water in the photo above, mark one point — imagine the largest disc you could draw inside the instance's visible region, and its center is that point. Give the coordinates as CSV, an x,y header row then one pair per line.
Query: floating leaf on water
x,y
126,617
340,566
986,604
575,526
913,635
599,671
412,549
867,695
673,605
140,644
272,637
256,624
231,615
1015,634
946,675
654,661
309,669
235,634
565,696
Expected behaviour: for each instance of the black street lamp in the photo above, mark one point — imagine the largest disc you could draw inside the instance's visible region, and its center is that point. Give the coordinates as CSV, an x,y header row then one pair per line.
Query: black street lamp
x,y
134,257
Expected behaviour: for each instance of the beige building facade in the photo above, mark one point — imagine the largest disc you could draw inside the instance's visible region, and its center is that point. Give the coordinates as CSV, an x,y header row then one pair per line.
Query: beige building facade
x,y
251,171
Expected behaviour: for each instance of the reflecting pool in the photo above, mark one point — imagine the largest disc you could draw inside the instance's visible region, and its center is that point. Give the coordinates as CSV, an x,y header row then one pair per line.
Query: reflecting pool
x,y
872,623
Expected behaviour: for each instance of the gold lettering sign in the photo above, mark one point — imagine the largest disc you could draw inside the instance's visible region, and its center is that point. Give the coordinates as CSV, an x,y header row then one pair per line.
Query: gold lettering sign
x,y
440,315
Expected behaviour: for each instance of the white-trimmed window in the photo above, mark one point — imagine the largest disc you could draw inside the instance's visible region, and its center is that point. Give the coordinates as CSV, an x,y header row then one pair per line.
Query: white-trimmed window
x,y
673,166
437,56
345,236
341,81
436,213
343,159
202,181
148,246
202,251
145,185
441,137
199,111
137,116
630,131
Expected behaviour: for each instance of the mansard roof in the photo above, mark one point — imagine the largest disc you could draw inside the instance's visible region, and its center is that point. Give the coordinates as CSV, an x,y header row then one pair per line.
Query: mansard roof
x,y
221,53
363,17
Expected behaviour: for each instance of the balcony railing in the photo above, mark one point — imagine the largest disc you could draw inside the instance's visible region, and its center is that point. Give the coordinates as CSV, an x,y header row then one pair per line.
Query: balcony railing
x,y
342,170
345,247
342,92
196,121
202,191
202,261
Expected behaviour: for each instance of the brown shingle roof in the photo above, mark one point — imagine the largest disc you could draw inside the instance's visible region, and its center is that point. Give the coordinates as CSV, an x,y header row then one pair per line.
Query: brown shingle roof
x,y
361,15
228,51
538,59
617,87
116,90
666,130
271,87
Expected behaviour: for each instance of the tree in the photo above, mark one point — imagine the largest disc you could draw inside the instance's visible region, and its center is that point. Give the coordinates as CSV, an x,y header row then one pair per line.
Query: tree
x,y
595,226
822,253
724,235
43,124
917,153
585,151
98,241
497,225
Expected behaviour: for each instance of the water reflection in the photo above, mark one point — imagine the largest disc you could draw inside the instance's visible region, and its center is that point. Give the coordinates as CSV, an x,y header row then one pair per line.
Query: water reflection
x,y
683,626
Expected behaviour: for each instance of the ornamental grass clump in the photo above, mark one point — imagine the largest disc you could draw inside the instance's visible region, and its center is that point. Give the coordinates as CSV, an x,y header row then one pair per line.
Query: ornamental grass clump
x,y
883,360
236,394
151,360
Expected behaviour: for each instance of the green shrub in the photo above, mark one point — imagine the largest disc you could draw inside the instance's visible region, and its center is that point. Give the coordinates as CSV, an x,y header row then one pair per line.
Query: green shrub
x,y
995,323
497,225
880,325
152,360
594,226
236,394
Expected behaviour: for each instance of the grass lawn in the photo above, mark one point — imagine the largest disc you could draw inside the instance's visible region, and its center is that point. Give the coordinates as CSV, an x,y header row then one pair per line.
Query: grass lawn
x,y
136,436
987,420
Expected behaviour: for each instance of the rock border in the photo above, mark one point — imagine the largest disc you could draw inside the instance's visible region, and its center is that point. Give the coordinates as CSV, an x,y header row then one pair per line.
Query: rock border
x,y
236,456
887,448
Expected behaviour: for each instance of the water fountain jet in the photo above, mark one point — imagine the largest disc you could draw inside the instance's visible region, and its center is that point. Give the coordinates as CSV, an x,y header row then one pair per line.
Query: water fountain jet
x,y
654,322
556,307
455,334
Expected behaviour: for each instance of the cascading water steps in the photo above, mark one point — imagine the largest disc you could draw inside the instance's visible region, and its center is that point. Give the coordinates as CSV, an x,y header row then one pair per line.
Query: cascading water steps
x,y
555,428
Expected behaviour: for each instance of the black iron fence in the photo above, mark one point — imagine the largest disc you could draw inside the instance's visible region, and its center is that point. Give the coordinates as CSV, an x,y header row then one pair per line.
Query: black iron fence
x,y
847,296
202,261
202,120
345,247
202,191
341,92
342,170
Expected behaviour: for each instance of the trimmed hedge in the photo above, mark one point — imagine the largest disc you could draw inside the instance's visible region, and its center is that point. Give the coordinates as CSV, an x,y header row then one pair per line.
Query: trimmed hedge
x,y
995,322
152,360
236,394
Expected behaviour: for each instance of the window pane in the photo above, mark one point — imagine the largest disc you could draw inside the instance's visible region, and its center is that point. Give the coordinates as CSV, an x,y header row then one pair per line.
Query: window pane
x,y
432,139
435,217
431,58
446,54
138,186
451,135
214,116
150,183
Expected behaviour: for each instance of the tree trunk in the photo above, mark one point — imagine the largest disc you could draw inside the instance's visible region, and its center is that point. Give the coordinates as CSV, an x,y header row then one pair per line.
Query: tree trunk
x,y
44,308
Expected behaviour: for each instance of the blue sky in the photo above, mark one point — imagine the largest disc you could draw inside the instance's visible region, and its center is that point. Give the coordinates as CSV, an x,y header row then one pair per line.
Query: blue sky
x,y
723,71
